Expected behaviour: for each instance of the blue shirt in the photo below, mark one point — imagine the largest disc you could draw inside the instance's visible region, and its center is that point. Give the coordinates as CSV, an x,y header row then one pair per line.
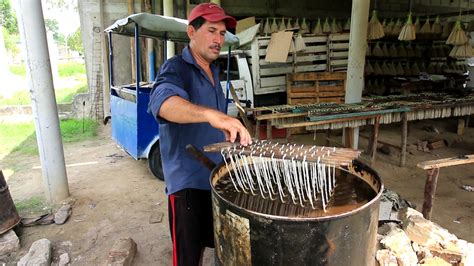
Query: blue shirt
x,y
182,76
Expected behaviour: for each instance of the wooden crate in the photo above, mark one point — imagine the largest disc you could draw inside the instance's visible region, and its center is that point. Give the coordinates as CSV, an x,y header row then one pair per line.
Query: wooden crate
x,y
315,87
338,44
271,77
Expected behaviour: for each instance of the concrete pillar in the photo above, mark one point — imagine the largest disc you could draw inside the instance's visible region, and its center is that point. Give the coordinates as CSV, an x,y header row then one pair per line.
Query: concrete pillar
x,y
355,68
40,81
169,11
105,63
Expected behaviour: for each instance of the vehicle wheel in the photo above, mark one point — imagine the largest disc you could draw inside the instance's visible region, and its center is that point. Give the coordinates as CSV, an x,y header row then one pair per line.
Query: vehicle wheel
x,y
154,161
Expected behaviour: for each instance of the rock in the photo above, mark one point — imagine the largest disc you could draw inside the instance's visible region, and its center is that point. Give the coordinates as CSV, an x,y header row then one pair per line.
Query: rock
x,y
64,259
399,243
122,253
387,228
156,217
434,261
386,258
384,149
39,254
9,242
62,214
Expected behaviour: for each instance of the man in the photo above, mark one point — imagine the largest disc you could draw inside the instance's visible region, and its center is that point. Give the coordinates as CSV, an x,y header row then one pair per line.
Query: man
x,y
188,103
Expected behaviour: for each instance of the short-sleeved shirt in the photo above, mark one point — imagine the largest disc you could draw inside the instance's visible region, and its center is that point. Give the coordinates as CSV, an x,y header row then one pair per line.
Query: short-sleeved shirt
x,y
182,76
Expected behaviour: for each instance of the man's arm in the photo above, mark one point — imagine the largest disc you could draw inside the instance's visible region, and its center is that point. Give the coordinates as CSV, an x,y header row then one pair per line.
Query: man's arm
x,y
179,110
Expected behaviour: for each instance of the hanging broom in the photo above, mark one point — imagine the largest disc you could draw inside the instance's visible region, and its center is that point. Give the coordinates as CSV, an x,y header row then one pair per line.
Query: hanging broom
x,y
401,51
410,51
274,26
426,28
334,27
431,68
299,43
375,30
266,29
393,70
385,51
457,35
408,31
304,27
282,26
368,69
436,27
418,51
377,70
388,29
406,70
368,51
399,68
392,51
318,30
347,25
377,50
447,26
289,25
296,25
462,51
385,69
397,27
415,70
417,24
326,26
422,67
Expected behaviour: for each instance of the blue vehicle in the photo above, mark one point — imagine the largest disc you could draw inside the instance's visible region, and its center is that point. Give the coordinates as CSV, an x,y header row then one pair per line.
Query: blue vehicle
x,y
133,128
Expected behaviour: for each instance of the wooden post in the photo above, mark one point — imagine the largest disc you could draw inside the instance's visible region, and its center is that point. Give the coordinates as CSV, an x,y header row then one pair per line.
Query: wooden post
x,y
374,139
403,151
349,137
269,129
257,125
430,190
461,125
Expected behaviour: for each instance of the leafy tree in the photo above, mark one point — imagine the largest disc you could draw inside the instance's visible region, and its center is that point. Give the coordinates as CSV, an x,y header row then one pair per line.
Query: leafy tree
x,y
75,41
52,25
8,17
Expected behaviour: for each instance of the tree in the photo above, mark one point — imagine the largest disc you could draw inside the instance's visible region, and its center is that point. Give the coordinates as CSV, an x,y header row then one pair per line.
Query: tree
x,y
52,26
8,17
75,41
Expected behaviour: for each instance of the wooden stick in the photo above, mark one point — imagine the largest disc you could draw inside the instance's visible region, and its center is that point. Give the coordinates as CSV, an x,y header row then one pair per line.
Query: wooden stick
x,y
403,152
374,139
446,162
309,123
240,109
430,190
269,129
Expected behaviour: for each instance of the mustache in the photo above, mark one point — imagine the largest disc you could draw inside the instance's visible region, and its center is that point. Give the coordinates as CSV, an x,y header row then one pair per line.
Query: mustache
x,y
216,46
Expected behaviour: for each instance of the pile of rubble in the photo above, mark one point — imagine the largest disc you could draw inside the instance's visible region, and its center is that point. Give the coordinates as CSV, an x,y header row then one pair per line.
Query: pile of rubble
x,y
417,241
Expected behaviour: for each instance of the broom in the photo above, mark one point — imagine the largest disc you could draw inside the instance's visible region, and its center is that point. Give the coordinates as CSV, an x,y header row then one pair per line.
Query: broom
x,y
415,70
397,28
462,51
347,25
393,70
417,24
406,70
385,69
388,29
299,43
296,25
410,51
368,51
375,30
399,68
392,51
401,51
326,26
457,35
377,50
408,31
334,27
418,51
282,26
304,27
318,30
368,70
385,51
377,70
423,67
436,27
266,28
431,68
426,28
447,26
274,26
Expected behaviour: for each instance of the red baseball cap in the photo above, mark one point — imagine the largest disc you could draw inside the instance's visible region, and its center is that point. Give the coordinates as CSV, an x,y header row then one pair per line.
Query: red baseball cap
x,y
212,13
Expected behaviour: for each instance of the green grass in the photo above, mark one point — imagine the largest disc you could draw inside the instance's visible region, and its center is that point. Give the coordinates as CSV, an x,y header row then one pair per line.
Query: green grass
x,y
65,69
18,98
33,205
20,138
66,95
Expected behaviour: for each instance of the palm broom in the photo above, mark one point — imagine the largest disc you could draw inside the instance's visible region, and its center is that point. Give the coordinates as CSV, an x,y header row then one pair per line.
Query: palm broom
x,y
377,51
408,32
318,30
334,27
457,35
282,26
397,27
326,26
436,27
417,24
347,25
274,26
426,28
304,27
266,29
375,30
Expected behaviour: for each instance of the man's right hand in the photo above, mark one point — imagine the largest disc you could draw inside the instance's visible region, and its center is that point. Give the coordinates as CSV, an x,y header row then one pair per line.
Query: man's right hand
x,y
231,126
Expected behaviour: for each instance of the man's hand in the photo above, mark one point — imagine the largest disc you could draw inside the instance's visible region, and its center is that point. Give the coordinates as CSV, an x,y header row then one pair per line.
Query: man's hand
x,y
231,126
179,110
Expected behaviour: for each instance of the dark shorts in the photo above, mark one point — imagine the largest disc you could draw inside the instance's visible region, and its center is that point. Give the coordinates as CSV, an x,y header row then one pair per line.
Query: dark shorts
x,y
191,225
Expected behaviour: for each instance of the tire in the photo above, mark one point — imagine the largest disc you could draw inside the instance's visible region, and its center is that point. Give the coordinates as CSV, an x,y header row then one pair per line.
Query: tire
x,y
154,161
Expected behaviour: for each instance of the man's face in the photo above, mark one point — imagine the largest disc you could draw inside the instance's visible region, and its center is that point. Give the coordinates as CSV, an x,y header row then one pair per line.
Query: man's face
x,y
207,41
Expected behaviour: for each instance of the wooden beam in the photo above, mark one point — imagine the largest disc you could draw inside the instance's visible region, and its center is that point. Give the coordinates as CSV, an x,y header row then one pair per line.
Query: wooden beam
x,y
403,152
446,162
430,190
374,139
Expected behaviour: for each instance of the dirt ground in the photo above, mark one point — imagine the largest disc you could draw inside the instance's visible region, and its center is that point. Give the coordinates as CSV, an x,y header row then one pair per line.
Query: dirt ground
x,y
115,196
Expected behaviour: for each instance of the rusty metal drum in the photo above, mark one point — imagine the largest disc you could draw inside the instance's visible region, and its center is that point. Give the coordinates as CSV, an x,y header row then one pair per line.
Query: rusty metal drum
x,y
9,217
246,235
